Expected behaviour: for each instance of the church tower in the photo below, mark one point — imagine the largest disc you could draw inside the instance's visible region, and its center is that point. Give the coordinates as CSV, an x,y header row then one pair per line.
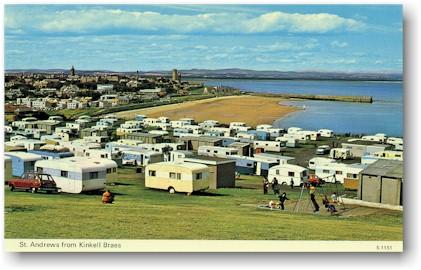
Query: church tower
x,y
72,71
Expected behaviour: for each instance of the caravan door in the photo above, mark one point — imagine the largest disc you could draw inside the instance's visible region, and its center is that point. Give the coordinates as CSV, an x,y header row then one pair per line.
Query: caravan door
x,y
258,168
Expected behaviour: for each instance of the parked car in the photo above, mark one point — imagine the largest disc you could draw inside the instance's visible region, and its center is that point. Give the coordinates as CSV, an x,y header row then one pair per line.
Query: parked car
x,y
323,150
34,182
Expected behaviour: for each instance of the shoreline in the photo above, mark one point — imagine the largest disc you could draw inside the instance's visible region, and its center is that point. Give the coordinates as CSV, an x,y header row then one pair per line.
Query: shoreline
x,y
266,110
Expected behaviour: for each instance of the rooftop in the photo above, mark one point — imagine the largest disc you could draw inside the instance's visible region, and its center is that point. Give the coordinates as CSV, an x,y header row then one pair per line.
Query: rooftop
x,y
201,138
361,142
143,134
207,159
384,167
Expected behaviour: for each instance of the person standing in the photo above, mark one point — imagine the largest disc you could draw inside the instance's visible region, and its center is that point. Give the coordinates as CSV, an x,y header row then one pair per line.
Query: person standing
x,y
291,183
282,198
275,186
313,199
265,186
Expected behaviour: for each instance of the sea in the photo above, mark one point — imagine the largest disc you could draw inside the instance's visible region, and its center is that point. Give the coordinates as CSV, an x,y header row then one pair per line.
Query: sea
x,y
384,115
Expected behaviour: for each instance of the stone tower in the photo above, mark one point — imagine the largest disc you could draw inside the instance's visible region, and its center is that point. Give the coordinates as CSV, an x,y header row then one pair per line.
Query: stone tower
x,y
72,71
175,75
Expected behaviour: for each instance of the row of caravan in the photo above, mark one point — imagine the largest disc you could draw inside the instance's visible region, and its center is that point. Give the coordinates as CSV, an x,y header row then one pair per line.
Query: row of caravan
x,y
72,174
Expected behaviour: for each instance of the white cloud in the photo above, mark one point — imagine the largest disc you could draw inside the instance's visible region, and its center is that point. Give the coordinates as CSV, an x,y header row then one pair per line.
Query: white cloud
x,y
297,23
96,19
338,44
287,46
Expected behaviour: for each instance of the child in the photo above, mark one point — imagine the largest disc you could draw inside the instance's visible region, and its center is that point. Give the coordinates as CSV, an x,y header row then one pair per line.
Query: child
x,y
272,205
334,198
282,198
330,207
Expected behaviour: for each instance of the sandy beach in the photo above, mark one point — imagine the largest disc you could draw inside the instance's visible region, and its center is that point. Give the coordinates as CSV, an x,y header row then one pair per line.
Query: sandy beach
x,y
252,110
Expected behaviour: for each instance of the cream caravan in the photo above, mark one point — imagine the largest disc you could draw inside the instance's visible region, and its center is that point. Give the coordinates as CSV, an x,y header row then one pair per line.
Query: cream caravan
x,y
177,177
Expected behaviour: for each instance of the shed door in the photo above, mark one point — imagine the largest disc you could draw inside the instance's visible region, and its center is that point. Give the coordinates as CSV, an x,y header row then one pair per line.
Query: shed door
x,y
370,188
391,191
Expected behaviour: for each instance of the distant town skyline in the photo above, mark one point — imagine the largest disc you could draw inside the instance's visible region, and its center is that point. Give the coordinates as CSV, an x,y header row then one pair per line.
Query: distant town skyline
x,y
326,38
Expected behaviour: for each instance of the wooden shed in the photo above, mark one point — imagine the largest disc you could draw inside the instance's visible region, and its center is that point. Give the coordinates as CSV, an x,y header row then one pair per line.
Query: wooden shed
x,y
221,170
381,182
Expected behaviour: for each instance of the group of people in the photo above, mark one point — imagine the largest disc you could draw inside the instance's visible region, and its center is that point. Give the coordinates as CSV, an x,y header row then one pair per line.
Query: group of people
x,y
276,188
328,204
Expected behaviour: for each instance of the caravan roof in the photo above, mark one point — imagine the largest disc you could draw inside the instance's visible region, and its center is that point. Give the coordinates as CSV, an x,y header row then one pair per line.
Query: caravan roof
x,y
24,156
80,164
273,156
180,165
289,167
108,163
140,151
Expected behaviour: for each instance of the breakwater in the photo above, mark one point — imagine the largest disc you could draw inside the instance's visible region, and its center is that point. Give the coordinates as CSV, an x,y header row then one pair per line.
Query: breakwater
x,y
359,99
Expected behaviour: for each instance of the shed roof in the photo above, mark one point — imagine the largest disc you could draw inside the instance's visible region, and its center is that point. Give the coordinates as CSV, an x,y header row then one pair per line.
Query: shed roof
x,y
207,160
142,134
239,144
362,142
201,138
385,167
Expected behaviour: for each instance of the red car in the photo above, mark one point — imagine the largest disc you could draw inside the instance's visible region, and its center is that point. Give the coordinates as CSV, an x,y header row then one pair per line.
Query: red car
x,y
34,182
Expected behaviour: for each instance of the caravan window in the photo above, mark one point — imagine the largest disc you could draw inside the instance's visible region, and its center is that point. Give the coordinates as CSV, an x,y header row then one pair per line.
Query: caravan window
x,y
198,176
93,175
114,169
152,173
174,175
109,170
351,175
326,171
339,172
277,172
64,174
291,174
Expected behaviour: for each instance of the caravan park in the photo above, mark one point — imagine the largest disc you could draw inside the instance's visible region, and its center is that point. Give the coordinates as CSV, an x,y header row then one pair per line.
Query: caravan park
x,y
204,122
182,179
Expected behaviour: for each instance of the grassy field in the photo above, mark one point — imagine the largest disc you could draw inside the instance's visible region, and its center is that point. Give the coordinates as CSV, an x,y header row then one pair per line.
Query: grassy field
x,y
140,213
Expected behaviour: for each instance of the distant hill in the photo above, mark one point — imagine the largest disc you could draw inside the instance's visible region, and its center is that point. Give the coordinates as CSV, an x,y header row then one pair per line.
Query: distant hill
x,y
235,73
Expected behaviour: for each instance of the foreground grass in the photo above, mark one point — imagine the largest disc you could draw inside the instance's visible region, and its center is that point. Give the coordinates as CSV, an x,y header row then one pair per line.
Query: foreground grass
x,y
140,213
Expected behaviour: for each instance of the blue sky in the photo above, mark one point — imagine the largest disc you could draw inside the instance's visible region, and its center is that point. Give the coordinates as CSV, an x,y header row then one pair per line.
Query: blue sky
x,y
346,38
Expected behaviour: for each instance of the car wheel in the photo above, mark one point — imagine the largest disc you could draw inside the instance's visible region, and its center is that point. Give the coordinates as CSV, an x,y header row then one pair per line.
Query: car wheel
x,y
12,188
171,190
34,190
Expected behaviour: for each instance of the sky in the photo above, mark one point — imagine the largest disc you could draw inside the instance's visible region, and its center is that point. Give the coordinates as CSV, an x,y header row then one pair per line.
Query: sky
x,y
326,38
